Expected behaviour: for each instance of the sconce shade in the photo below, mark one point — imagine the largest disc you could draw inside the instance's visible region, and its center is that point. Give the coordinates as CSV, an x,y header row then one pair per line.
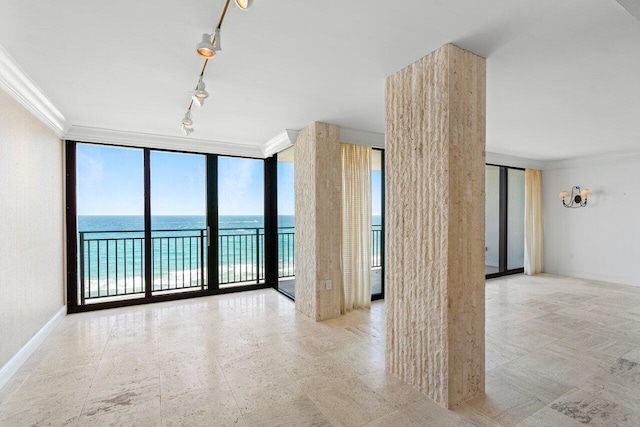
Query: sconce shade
x,y
578,199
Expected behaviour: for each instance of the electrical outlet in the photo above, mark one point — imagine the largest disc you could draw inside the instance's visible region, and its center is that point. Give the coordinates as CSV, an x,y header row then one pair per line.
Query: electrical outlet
x,y
327,285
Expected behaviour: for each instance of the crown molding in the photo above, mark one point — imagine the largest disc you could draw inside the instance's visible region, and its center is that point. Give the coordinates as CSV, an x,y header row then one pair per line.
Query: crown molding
x,y
282,141
147,140
362,137
19,86
605,159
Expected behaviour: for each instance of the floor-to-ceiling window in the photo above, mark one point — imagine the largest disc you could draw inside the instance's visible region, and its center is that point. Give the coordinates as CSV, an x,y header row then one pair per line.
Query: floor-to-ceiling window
x,y
153,225
286,222
111,227
504,227
241,256
178,222
377,224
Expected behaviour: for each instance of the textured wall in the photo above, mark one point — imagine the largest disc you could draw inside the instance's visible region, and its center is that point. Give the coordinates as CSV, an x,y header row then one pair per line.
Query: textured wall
x,y
317,199
434,276
31,226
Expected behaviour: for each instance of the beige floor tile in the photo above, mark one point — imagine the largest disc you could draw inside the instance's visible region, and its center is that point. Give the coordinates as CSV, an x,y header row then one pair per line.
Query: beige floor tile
x,y
595,410
420,414
360,359
251,357
349,402
263,389
620,383
505,404
498,353
202,407
633,355
300,411
547,417
394,390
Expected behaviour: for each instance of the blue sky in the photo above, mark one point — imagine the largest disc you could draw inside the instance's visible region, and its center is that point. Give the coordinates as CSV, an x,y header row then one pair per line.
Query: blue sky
x,y
111,182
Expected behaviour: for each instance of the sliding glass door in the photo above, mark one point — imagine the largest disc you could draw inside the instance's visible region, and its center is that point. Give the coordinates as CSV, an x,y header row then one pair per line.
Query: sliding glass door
x,y
241,233
377,224
286,222
504,227
110,223
178,222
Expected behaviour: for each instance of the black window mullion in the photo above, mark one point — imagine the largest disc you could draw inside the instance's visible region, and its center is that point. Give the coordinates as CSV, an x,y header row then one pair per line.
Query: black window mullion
x,y
212,223
271,221
503,219
72,226
147,223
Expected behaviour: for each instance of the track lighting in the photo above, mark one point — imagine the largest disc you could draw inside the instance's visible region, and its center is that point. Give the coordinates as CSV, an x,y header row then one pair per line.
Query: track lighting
x,y
244,4
205,48
187,121
216,40
200,92
186,131
198,102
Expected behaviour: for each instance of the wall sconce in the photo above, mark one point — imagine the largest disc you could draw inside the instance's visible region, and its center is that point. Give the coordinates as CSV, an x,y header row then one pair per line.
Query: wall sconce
x,y
578,198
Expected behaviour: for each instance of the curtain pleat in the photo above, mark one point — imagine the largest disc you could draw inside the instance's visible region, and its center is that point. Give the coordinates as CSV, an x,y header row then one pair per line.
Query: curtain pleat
x,y
533,222
356,227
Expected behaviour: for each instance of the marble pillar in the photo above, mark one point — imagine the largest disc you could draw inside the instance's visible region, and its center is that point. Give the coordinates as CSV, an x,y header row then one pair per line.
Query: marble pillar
x,y
434,276
317,203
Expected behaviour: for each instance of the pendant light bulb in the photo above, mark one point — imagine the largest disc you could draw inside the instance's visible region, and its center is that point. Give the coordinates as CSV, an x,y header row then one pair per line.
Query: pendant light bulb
x,y
244,4
216,41
205,48
200,91
187,121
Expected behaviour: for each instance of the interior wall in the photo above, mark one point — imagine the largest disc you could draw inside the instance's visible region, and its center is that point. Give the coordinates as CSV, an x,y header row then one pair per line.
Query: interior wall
x,y
31,226
599,241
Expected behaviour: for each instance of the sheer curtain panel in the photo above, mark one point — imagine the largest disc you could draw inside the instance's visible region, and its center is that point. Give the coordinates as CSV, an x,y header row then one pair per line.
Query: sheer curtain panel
x,y
356,227
533,222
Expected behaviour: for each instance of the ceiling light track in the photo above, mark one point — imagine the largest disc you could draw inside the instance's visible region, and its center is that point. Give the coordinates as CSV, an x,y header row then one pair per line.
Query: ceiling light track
x,y
208,47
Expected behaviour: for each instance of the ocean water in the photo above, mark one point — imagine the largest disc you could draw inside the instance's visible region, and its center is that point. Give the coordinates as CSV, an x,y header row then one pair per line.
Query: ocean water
x,y
113,252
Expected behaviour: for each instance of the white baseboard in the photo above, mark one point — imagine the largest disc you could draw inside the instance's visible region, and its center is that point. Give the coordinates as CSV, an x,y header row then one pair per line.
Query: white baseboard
x,y
9,369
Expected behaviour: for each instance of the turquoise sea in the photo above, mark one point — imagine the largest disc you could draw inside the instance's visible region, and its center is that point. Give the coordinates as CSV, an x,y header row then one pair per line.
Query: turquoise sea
x,y
111,261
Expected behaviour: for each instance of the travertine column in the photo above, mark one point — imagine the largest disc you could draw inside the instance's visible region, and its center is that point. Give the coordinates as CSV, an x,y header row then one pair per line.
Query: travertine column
x,y
434,277
317,193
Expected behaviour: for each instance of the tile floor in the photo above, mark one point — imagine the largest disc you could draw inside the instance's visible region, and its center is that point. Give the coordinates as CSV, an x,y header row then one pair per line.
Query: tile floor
x,y
560,352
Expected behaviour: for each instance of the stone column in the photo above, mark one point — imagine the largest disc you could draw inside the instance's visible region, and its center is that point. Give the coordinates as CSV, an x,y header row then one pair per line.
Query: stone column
x,y
318,182
434,276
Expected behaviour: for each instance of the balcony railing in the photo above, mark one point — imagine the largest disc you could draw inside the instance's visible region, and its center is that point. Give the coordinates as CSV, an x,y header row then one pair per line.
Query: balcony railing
x,y
112,263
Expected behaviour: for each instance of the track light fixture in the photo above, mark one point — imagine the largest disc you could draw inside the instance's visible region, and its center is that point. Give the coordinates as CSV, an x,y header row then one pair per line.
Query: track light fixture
x,y
207,48
216,40
200,91
186,131
198,102
187,121
243,4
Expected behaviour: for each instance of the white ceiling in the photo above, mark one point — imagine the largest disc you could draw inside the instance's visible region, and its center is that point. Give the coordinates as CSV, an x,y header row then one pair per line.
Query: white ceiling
x,y
563,76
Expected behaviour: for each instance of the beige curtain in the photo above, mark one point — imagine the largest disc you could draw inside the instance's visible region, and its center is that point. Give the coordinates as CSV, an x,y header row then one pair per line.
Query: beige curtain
x,y
356,227
533,222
